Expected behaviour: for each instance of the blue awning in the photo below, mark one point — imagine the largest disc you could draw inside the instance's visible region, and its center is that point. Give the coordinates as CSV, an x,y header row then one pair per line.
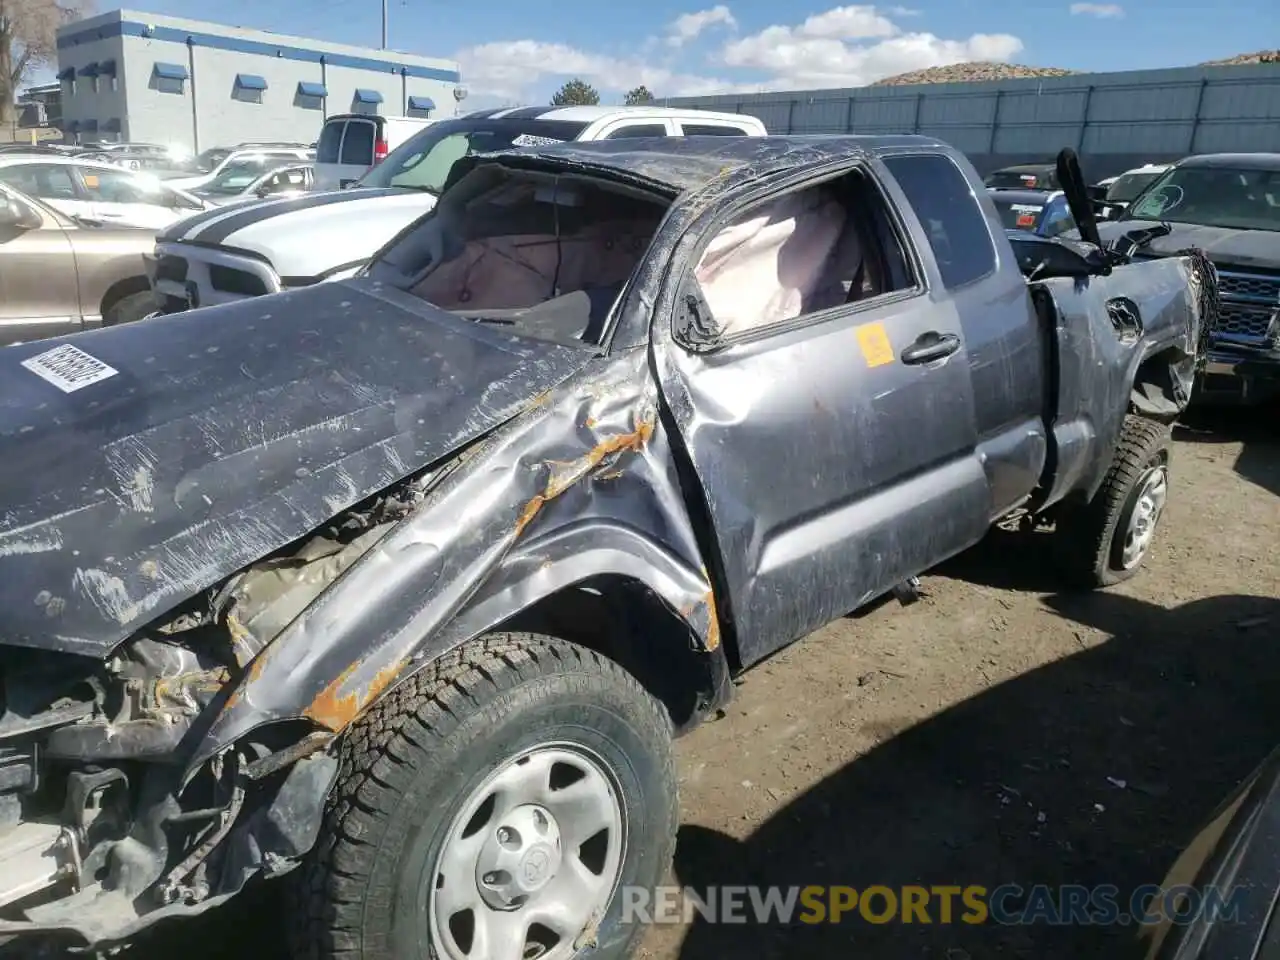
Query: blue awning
x,y
364,95
171,71
421,103
88,70
67,73
306,89
89,125
250,81
112,125
106,68
73,126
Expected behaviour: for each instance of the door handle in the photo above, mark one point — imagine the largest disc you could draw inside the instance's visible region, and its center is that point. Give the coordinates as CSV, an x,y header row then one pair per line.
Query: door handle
x,y
931,346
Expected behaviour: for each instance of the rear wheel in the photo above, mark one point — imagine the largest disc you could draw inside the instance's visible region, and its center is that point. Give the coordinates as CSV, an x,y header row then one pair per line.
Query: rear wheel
x,y
1107,540
493,808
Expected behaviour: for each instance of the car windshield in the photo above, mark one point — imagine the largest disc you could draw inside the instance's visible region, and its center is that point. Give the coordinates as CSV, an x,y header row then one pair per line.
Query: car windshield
x,y
211,158
1129,185
237,175
1212,197
424,160
545,255
1017,215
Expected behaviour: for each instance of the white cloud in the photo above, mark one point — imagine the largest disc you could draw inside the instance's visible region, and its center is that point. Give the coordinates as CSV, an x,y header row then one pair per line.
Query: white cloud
x,y
507,71
1102,10
844,46
689,26
855,45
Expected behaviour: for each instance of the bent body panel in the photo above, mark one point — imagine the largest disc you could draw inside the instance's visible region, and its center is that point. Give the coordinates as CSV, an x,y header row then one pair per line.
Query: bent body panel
x,y
223,436
1097,363
582,484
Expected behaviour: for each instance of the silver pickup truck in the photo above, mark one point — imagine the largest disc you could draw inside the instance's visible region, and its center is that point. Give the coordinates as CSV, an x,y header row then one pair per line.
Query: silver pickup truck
x,y
402,585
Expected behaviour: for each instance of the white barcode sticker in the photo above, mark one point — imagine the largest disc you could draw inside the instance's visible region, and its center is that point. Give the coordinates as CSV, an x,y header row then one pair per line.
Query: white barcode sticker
x,y
69,368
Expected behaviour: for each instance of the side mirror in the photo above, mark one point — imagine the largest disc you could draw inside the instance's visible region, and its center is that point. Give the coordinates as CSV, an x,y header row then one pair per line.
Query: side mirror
x,y
18,216
1077,192
1097,194
263,192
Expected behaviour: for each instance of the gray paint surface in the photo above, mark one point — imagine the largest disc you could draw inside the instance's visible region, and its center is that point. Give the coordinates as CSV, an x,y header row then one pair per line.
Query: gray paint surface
x,y
1115,121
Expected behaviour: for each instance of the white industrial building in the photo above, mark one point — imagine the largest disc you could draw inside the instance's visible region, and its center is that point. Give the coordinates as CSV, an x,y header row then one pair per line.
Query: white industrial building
x,y
147,78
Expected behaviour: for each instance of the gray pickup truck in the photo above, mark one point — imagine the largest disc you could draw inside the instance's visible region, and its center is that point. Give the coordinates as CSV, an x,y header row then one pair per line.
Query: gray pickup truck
x,y
402,585
1227,205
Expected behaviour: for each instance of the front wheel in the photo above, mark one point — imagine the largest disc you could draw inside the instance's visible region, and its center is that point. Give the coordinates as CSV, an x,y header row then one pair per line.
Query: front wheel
x,y
131,308
1106,540
494,808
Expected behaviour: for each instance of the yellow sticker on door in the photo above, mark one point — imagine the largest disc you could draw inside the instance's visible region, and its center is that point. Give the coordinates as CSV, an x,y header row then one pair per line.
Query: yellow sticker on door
x,y
877,350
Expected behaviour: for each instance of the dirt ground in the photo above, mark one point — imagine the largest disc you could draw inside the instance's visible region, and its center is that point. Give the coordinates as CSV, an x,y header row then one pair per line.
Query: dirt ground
x,y
995,731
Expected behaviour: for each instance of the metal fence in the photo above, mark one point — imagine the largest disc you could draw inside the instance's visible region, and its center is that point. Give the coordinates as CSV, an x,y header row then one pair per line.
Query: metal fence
x,y
1113,120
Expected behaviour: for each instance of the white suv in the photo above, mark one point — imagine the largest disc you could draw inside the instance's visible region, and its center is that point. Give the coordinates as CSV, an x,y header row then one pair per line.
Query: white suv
x,y
251,249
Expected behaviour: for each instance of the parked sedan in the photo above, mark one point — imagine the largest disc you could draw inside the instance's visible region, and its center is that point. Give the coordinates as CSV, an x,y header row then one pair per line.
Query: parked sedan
x,y
59,275
99,191
1026,176
247,181
266,159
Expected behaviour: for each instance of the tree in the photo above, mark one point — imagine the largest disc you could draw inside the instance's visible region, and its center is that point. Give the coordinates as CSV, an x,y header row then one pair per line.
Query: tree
x,y
575,93
28,39
639,96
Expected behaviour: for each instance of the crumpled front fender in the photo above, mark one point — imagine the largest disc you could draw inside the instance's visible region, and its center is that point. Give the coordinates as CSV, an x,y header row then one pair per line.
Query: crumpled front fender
x,y
583,484
1098,358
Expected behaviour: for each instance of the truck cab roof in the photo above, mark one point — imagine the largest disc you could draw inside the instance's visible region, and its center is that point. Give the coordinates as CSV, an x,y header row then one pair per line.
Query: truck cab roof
x,y
603,115
682,163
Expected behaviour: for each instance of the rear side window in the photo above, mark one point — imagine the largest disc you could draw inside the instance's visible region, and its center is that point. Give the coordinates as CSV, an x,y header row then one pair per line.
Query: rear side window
x,y
357,145
944,204
330,140
1017,216
639,130
711,130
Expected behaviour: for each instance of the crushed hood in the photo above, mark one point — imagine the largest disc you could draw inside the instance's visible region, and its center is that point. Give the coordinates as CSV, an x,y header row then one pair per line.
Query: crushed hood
x,y
1245,248
222,435
309,235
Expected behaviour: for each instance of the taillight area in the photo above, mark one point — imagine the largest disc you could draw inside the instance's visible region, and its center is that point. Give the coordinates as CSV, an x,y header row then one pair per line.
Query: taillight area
x,y
379,151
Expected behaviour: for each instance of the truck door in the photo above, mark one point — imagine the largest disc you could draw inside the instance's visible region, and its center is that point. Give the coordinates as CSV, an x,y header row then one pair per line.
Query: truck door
x,y
832,436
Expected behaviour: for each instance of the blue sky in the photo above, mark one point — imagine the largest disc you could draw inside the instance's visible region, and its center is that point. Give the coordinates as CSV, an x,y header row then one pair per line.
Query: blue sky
x,y
514,51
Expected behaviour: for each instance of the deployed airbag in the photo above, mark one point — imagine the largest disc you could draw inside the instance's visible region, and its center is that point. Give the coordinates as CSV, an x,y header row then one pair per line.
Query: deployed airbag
x,y
775,263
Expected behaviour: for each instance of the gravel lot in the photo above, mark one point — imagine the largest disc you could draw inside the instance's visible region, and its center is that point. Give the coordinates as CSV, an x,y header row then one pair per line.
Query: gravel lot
x,y
981,735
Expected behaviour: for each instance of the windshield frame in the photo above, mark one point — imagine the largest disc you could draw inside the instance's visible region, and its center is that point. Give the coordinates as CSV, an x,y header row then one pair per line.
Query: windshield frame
x,y
1130,212
429,137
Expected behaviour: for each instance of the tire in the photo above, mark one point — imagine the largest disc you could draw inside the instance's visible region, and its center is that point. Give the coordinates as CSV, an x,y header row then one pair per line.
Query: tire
x,y
379,882
130,308
1092,538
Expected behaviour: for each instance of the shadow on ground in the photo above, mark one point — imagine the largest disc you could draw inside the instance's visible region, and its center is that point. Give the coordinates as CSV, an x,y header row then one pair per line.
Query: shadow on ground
x,y
1257,428
1094,769
1020,784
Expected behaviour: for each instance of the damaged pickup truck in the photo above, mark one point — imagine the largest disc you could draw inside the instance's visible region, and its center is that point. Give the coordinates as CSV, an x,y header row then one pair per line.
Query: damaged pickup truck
x,y
402,585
